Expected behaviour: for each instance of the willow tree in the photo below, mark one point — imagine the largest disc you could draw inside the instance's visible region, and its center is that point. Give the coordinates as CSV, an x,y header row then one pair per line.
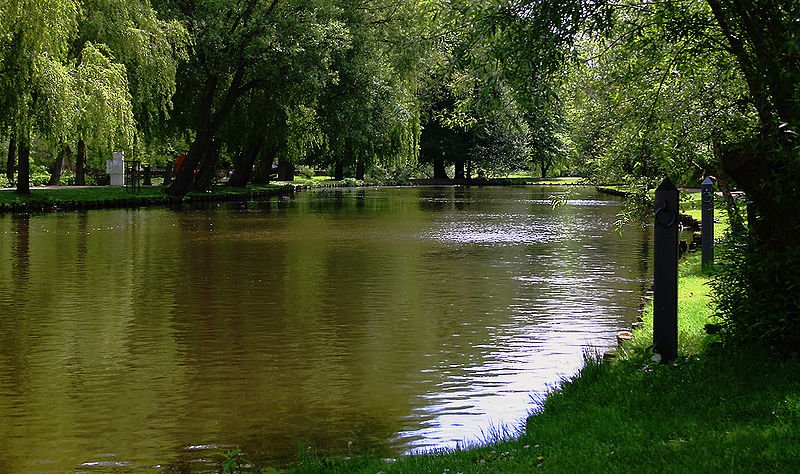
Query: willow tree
x,y
79,71
276,119
127,60
371,114
151,48
236,47
34,42
364,114
105,116
488,106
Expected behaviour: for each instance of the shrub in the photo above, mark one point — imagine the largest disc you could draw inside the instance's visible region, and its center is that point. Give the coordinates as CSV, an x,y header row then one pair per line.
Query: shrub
x,y
756,291
352,182
306,172
40,176
97,177
67,178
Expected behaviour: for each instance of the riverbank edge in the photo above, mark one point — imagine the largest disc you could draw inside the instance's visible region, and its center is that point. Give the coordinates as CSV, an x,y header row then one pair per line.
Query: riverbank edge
x,y
154,196
46,203
495,455
717,408
686,220
714,409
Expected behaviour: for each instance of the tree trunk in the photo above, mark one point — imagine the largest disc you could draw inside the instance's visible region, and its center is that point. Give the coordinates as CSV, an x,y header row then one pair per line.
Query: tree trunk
x,y
204,176
201,152
778,218
459,175
243,170
734,217
11,160
360,170
338,173
58,165
184,177
263,168
24,166
285,169
545,165
80,164
439,171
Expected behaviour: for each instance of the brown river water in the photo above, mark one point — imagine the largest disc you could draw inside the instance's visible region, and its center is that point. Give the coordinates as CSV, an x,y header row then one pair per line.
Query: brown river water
x,y
388,321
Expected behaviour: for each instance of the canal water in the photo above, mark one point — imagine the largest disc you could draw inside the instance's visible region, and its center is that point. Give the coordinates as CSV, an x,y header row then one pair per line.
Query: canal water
x,y
387,320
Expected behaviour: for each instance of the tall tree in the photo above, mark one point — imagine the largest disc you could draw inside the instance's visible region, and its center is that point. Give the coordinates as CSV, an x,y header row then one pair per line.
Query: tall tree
x,y
104,101
128,77
237,44
34,79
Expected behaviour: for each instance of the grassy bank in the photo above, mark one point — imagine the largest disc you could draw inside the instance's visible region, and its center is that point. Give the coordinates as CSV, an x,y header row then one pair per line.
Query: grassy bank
x,y
89,197
715,409
92,197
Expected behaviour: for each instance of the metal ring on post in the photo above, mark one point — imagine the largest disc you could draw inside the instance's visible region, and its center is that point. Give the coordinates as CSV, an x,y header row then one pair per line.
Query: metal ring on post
x,y
659,211
707,197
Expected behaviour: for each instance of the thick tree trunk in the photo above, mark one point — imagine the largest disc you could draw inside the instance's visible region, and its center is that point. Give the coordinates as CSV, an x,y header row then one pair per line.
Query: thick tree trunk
x,y
545,166
11,160
201,152
779,219
723,182
204,176
80,164
360,170
459,174
338,173
23,169
58,165
244,168
285,170
263,168
439,171
184,177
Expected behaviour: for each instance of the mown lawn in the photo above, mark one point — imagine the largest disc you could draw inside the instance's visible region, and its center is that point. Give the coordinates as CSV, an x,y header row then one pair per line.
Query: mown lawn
x,y
72,196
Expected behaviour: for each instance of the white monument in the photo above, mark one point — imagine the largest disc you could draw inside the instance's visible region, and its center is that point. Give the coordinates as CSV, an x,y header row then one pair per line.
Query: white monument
x,y
116,168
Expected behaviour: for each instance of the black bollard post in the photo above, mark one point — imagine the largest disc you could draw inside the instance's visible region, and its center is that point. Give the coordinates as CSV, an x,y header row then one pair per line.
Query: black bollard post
x,y
707,196
665,272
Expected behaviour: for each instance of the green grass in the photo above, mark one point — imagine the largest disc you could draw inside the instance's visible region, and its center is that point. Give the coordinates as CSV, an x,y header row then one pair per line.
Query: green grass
x,y
70,196
54,195
714,409
691,205
528,178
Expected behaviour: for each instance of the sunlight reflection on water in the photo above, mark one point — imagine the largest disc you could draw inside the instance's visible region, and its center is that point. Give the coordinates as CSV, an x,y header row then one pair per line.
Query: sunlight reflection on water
x,y
382,320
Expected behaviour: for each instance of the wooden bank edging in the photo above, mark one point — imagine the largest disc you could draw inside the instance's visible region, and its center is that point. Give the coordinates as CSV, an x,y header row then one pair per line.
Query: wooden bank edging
x,y
686,220
143,201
